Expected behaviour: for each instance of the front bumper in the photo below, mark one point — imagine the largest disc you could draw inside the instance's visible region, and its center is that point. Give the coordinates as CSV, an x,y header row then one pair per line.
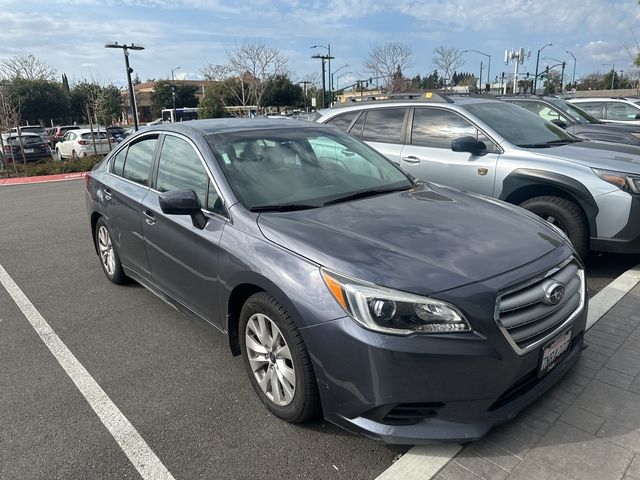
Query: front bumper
x,y
627,237
420,389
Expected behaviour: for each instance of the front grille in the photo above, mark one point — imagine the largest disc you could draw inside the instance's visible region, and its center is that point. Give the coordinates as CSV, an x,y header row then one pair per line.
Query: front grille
x,y
527,315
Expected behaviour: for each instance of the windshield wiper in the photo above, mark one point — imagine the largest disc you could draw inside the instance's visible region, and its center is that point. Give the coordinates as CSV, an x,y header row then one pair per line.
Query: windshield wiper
x,y
367,193
563,142
282,207
533,145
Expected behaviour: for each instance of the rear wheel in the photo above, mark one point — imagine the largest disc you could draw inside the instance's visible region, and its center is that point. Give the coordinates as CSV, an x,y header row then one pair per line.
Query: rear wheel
x,y
565,215
276,359
109,259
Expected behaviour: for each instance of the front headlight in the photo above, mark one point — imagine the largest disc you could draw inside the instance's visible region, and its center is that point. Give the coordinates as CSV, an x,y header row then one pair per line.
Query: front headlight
x,y
624,181
391,311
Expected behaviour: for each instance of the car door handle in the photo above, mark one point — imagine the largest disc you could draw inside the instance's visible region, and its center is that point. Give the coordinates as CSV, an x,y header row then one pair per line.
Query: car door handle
x,y
150,218
107,193
411,159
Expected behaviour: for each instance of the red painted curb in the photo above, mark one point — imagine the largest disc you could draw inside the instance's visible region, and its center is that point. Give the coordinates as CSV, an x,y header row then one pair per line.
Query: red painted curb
x,y
43,179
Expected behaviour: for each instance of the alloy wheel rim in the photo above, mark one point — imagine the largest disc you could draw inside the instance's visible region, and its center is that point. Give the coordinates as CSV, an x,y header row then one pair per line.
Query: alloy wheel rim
x,y
270,359
105,247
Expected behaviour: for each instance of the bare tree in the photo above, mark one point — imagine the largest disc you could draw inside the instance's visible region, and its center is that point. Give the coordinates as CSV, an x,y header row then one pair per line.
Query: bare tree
x,y
384,61
447,60
249,69
26,67
10,118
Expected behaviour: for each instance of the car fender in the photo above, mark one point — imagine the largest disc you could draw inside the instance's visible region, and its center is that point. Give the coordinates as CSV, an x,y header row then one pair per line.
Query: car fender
x,y
526,179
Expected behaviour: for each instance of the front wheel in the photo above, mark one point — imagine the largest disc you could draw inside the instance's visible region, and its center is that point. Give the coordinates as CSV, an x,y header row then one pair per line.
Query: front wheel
x,y
565,215
276,359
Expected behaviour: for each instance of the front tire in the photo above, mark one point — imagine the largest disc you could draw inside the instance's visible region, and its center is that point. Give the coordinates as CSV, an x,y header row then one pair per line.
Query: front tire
x,y
109,258
564,214
276,359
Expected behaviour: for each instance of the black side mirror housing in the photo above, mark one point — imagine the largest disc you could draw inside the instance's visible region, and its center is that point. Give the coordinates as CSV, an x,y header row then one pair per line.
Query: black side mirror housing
x,y
469,145
637,116
560,123
183,202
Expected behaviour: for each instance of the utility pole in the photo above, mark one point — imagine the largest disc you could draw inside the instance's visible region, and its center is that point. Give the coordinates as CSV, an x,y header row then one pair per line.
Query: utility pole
x,y
535,79
324,58
173,93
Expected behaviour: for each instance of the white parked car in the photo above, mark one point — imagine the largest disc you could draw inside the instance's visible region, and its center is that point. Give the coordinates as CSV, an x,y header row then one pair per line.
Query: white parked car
x,y
80,143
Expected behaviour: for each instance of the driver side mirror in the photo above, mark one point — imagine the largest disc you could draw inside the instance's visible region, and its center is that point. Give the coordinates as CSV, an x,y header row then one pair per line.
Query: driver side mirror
x,y
469,145
183,202
637,116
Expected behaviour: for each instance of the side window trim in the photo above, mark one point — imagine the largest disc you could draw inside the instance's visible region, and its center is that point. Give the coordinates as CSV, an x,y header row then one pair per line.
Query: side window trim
x,y
204,164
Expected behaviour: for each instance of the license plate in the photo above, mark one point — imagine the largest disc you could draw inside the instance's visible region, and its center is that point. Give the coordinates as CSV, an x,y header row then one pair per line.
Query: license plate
x,y
29,150
553,352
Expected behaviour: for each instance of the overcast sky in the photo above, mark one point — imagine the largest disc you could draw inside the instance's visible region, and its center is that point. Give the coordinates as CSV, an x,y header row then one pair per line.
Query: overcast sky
x,y
71,34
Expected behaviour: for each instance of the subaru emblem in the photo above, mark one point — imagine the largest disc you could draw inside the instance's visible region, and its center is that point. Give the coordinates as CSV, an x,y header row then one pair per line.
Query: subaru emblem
x,y
554,293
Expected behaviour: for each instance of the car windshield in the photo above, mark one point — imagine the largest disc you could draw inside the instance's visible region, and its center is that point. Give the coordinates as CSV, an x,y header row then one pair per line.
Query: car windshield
x,y
520,127
574,112
291,169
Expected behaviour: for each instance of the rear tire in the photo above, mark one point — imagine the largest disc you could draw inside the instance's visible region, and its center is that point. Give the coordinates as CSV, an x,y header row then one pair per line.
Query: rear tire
x,y
109,258
276,359
565,215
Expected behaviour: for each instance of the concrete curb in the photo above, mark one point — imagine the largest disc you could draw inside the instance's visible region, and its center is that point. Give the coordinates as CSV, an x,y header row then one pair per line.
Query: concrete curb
x,y
423,462
43,179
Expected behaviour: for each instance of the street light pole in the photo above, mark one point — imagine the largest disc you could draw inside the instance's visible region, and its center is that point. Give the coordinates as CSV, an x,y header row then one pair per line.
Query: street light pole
x,y
173,93
573,77
488,67
132,99
333,75
535,79
613,72
339,77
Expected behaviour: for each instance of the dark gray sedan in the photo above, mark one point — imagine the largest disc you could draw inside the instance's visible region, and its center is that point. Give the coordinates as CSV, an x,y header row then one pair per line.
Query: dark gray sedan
x,y
400,309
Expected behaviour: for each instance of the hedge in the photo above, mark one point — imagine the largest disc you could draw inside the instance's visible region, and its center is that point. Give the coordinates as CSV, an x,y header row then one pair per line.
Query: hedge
x,y
50,167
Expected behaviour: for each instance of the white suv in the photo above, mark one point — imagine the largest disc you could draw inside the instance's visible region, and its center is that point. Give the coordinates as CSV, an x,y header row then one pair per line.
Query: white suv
x,y
613,109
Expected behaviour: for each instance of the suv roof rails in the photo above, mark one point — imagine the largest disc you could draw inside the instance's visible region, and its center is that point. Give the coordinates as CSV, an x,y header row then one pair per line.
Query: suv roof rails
x,y
429,97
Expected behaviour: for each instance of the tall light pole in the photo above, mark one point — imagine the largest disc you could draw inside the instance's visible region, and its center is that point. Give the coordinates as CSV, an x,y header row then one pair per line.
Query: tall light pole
x,y
132,99
304,84
173,93
339,77
535,79
573,77
327,57
488,67
613,72
333,75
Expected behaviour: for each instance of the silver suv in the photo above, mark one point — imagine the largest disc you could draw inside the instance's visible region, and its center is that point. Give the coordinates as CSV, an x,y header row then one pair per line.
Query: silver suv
x,y
612,109
589,190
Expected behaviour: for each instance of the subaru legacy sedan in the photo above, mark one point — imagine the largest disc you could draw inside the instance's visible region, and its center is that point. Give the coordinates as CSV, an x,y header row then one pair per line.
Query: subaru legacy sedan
x,y
400,309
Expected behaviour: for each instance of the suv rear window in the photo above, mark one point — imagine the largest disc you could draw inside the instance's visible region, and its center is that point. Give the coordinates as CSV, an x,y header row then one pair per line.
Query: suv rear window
x,y
96,135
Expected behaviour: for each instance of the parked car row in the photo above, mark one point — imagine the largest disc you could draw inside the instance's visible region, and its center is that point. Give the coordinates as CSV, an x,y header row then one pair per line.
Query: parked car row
x,y
399,308
611,109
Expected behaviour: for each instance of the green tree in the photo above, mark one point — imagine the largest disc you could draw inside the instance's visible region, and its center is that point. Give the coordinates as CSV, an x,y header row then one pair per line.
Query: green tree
x,y
41,101
281,92
82,94
162,96
212,104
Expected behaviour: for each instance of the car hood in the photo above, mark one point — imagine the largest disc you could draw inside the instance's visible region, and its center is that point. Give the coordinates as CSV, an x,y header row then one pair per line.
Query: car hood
x,y
424,240
607,156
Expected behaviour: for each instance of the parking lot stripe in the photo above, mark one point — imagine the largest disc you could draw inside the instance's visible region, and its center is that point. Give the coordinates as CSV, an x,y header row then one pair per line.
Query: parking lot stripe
x,y
131,442
423,462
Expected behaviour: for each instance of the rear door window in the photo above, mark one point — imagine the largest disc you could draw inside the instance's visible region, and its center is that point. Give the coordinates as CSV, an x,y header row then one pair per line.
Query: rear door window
x,y
621,111
384,125
137,164
594,108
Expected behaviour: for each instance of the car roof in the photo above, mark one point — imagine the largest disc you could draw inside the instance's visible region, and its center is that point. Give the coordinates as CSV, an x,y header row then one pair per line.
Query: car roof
x,y
24,134
603,99
228,125
82,131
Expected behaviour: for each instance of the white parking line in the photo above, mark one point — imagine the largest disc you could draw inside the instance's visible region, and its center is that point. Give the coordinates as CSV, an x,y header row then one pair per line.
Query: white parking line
x,y
132,444
423,462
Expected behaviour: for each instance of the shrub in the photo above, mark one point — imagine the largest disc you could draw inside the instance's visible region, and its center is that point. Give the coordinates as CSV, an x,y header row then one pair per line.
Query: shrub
x,y
52,167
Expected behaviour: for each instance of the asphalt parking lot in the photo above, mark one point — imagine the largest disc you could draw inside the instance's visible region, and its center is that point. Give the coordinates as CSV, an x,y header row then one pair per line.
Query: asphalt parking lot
x,y
173,378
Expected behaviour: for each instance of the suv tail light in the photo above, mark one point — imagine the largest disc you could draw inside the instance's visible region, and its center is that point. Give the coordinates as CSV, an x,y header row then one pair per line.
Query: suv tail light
x,y
83,142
